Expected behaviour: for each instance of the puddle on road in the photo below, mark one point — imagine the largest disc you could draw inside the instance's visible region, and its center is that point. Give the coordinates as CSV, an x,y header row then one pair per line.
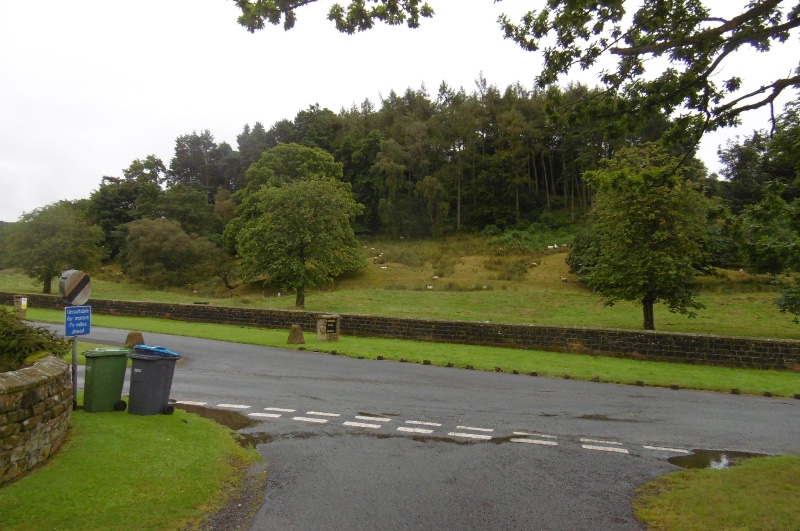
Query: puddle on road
x,y
713,459
230,419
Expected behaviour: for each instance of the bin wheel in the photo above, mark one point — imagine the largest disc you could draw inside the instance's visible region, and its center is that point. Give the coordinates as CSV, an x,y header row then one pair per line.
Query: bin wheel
x,y
168,410
120,405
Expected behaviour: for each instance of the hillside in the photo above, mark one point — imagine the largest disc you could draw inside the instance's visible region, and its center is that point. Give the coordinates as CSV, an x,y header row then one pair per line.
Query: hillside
x,y
475,279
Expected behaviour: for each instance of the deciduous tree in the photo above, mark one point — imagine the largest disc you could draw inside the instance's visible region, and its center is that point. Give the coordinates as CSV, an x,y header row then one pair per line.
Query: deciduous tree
x,y
52,239
299,234
645,240
160,253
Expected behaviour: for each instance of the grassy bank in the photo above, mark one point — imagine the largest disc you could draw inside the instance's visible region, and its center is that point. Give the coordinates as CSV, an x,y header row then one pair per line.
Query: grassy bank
x,y
120,471
525,362
477,288
760,493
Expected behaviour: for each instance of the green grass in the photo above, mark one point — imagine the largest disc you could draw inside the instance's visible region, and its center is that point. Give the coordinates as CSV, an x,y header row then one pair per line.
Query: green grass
x,y
577,366
761,493
121,471
737,304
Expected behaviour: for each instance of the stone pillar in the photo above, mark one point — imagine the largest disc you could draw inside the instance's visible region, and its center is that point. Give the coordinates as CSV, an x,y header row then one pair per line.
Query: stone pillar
x,y
327,327
21,306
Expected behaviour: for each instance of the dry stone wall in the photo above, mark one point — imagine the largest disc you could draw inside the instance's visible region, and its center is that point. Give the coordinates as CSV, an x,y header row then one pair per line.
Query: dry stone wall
x,y
637,344
35,409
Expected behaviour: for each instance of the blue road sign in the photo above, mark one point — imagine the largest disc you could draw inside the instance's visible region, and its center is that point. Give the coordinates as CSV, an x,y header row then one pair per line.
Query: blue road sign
x,y
77,321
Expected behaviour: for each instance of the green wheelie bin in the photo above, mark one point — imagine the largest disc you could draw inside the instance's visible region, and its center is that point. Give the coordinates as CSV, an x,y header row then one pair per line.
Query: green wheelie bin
x,y
104,377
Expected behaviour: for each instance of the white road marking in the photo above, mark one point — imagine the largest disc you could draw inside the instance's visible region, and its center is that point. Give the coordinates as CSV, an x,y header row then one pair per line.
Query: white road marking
x,y
265,415
323,414
421,423
599,441
309,419
535,441
543,436
474,429
234,406
362,425
605,448
414,430
281,410
661,448
469,435
190,403
374,419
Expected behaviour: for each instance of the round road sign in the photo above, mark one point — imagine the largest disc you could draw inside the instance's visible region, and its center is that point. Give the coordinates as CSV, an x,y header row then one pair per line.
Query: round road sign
x,y
75,287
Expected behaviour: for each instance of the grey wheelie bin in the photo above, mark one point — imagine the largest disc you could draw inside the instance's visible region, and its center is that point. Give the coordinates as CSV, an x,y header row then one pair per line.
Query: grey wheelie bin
x,y
104,377
151,380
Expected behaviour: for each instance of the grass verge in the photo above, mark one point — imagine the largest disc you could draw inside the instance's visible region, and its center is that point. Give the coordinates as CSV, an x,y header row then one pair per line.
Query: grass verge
x,y
120,471
553,364
760,493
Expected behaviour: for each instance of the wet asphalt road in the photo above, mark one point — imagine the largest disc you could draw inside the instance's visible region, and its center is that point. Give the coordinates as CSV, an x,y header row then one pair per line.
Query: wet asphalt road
x,y
361,444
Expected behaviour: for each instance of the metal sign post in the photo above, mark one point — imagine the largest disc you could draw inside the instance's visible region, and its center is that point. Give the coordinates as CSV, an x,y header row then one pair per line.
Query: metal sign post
x,y
75,288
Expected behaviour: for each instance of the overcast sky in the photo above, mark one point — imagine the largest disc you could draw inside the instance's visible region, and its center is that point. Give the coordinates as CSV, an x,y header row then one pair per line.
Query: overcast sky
x,y
87,86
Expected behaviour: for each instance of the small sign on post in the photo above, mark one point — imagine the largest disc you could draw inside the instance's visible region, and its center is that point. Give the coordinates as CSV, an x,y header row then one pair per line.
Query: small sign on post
x,y
77,321
75,288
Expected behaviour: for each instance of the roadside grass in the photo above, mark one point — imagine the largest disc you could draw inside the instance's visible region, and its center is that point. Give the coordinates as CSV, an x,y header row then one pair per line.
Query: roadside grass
x,y
121,471
525,362
760,493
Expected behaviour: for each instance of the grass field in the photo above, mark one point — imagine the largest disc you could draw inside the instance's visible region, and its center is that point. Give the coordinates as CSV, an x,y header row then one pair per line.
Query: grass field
x,y
477,287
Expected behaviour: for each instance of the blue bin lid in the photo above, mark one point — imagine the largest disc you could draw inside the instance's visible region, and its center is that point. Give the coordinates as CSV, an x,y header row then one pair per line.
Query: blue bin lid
x,y
160,351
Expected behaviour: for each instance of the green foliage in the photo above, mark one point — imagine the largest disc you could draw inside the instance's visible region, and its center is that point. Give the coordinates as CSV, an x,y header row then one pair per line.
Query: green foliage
x,y
286,163
117,202
357,16
770,232
190,208
299,234
789,300
160,253
695,41
645,240
537,237
19,341
53,239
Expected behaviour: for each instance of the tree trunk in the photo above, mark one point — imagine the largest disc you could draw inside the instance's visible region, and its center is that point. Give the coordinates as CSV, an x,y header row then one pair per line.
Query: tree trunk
x,y
47,286
300,299
647,309
458,203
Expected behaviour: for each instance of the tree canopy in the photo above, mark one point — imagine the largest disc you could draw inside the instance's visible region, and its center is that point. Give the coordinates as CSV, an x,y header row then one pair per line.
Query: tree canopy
x,y
357,16
645,239
696,42
302,236
52,239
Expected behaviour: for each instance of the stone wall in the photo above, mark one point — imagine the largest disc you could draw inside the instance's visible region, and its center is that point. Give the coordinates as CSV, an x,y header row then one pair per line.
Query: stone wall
x,y
637,344
35,408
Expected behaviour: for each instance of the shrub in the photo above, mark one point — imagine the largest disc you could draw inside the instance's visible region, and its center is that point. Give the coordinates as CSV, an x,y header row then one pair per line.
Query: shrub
x,y
19,341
